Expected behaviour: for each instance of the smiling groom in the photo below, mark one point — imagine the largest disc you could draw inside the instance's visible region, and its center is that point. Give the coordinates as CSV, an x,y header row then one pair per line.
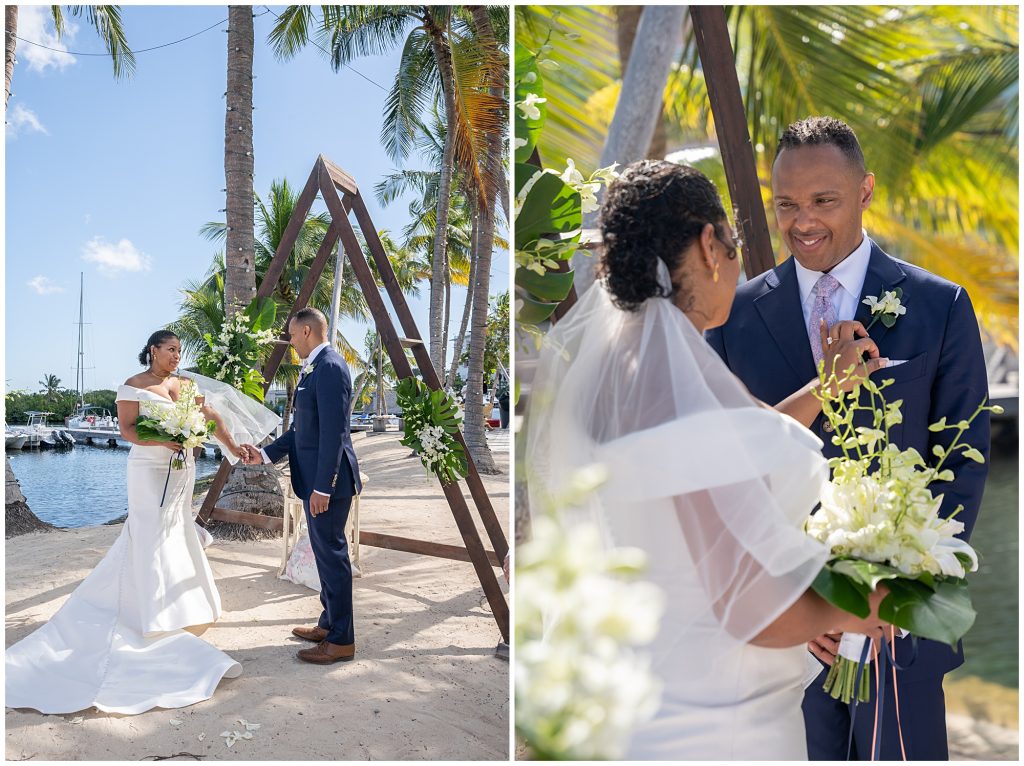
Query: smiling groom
x,y
325,476
820,190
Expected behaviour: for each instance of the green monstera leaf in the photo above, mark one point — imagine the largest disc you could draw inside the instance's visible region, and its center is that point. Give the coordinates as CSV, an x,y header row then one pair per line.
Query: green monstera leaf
x,y
551,205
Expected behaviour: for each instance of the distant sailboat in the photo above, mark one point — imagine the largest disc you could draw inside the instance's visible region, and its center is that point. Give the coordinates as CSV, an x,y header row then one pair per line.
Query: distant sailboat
x,y
86,416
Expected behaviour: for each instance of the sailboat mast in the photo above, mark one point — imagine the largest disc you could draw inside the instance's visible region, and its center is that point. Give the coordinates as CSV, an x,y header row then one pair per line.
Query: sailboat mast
x,y
80,373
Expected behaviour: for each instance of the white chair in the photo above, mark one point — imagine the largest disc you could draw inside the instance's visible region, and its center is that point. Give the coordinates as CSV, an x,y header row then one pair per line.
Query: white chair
x,y
294,518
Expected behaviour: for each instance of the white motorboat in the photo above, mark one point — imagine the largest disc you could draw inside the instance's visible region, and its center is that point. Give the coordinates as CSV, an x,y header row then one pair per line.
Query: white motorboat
x,y
13,439
38,434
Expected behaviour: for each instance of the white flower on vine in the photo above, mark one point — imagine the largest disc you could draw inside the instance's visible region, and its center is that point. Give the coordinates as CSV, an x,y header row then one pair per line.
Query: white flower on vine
x,y
528,106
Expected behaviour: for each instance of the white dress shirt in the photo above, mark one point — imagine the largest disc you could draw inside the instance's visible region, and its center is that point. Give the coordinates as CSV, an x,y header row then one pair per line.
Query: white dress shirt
x,y
311,358
850,273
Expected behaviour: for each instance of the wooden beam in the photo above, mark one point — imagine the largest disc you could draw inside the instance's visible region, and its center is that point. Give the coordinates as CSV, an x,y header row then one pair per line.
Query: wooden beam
x,y
291,234
422,547
273,523
719,65
341,179
302,300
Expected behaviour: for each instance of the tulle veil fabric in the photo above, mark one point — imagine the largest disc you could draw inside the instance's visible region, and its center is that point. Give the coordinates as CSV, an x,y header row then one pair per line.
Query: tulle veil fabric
x,y
248,421
711,484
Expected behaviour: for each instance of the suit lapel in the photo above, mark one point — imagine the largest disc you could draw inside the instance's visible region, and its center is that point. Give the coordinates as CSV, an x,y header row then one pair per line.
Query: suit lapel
x,y
783,315
883,274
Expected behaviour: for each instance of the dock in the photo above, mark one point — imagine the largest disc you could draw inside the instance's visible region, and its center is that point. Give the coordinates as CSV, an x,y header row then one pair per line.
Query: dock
x,y
113,438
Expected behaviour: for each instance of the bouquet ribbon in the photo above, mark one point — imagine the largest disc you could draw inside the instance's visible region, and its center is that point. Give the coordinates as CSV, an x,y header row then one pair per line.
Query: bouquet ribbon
x,y
177,456
885,659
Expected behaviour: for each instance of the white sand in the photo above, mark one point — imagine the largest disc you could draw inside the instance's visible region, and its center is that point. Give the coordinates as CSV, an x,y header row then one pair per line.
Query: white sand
x,y
425,683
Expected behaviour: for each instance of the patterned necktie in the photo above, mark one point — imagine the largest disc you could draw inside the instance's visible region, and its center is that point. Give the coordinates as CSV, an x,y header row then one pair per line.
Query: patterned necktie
x,y
822,309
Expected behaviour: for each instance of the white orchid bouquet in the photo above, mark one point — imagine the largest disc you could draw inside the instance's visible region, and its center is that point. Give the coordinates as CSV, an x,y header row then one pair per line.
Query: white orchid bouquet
x,y
882,524
181,423
582,612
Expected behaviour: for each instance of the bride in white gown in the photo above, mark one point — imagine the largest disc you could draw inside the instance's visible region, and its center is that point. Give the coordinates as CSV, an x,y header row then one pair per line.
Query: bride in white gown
x,y
711,484
119,641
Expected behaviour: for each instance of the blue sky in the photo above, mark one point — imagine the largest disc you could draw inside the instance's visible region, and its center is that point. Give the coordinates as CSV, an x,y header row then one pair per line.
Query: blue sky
x,y
114,178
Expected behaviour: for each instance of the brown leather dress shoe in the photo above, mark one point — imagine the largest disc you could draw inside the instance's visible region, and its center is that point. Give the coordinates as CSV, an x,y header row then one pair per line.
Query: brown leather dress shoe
x,y
326,653
315,633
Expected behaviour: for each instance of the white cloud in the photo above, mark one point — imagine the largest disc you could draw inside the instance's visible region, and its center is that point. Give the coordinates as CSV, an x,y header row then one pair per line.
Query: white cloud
x,y
35,23
44,285
113,259
87,218
21,119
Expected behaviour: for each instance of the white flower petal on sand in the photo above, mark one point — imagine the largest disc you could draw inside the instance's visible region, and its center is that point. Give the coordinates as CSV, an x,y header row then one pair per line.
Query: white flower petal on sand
x,y
175,722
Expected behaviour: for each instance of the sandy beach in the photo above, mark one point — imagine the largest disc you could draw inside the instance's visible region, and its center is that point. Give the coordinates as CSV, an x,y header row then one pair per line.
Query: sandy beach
x,y
425,683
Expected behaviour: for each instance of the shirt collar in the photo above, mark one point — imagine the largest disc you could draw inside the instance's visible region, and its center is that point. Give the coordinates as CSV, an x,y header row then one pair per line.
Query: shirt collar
x,y
850,272
316,352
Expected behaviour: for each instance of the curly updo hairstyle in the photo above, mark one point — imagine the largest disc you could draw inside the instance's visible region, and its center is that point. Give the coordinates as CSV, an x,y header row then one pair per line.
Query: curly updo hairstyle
x,y
156,339
653,211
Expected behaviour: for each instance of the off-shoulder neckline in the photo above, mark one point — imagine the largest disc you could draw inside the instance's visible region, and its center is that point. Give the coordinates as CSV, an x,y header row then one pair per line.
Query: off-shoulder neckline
x,y
167,398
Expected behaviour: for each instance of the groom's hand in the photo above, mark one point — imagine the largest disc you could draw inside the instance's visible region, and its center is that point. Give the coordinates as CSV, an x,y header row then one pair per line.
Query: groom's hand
x,y
318,503
251,455
843,350
825,647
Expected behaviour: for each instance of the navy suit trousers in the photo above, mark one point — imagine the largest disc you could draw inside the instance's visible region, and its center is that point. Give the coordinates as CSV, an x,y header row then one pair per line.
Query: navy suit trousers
x,y
330,549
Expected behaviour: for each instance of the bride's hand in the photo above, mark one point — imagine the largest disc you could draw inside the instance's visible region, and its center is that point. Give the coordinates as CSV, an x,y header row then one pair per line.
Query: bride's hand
x,y
872,626
846,350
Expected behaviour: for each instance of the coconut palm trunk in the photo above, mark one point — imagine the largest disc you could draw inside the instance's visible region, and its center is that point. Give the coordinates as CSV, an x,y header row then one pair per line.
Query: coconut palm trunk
x,y
460,339
253,489
475,433
10,30
240,280
443,56
18,517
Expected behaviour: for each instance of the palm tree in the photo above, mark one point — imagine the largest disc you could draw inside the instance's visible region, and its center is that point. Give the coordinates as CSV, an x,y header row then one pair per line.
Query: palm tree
x,y
240,279
51,386
437,64
105,19
494,44
931,91
379,364
462,228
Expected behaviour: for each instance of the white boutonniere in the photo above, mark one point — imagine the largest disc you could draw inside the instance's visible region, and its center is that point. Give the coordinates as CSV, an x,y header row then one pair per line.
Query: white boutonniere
x,y
887,308
308,368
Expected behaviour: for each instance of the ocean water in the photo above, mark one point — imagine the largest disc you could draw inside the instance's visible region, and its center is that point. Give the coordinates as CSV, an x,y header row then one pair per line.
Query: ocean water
x,y
82,487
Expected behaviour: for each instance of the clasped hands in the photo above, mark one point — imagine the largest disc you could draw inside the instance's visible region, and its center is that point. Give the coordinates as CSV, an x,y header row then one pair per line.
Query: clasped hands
x,y
250,455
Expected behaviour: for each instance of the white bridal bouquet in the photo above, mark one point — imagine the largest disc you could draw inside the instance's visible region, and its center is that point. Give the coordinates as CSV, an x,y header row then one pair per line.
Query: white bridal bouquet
x,y
882,525
181,423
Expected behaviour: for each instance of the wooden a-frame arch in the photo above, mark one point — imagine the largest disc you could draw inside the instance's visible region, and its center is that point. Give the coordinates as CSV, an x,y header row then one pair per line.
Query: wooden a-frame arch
x,y
342,197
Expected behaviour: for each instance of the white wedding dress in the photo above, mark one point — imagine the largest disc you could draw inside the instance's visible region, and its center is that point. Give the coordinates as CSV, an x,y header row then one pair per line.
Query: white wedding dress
x,y
118,642
714,489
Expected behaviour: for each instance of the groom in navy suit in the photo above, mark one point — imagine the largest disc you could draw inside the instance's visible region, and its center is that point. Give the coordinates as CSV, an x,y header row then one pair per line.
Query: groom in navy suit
x,y
821,189
325,476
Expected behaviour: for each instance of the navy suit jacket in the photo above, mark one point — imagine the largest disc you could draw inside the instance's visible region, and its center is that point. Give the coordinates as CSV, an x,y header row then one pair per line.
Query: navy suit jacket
x,y
765,344
318,443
